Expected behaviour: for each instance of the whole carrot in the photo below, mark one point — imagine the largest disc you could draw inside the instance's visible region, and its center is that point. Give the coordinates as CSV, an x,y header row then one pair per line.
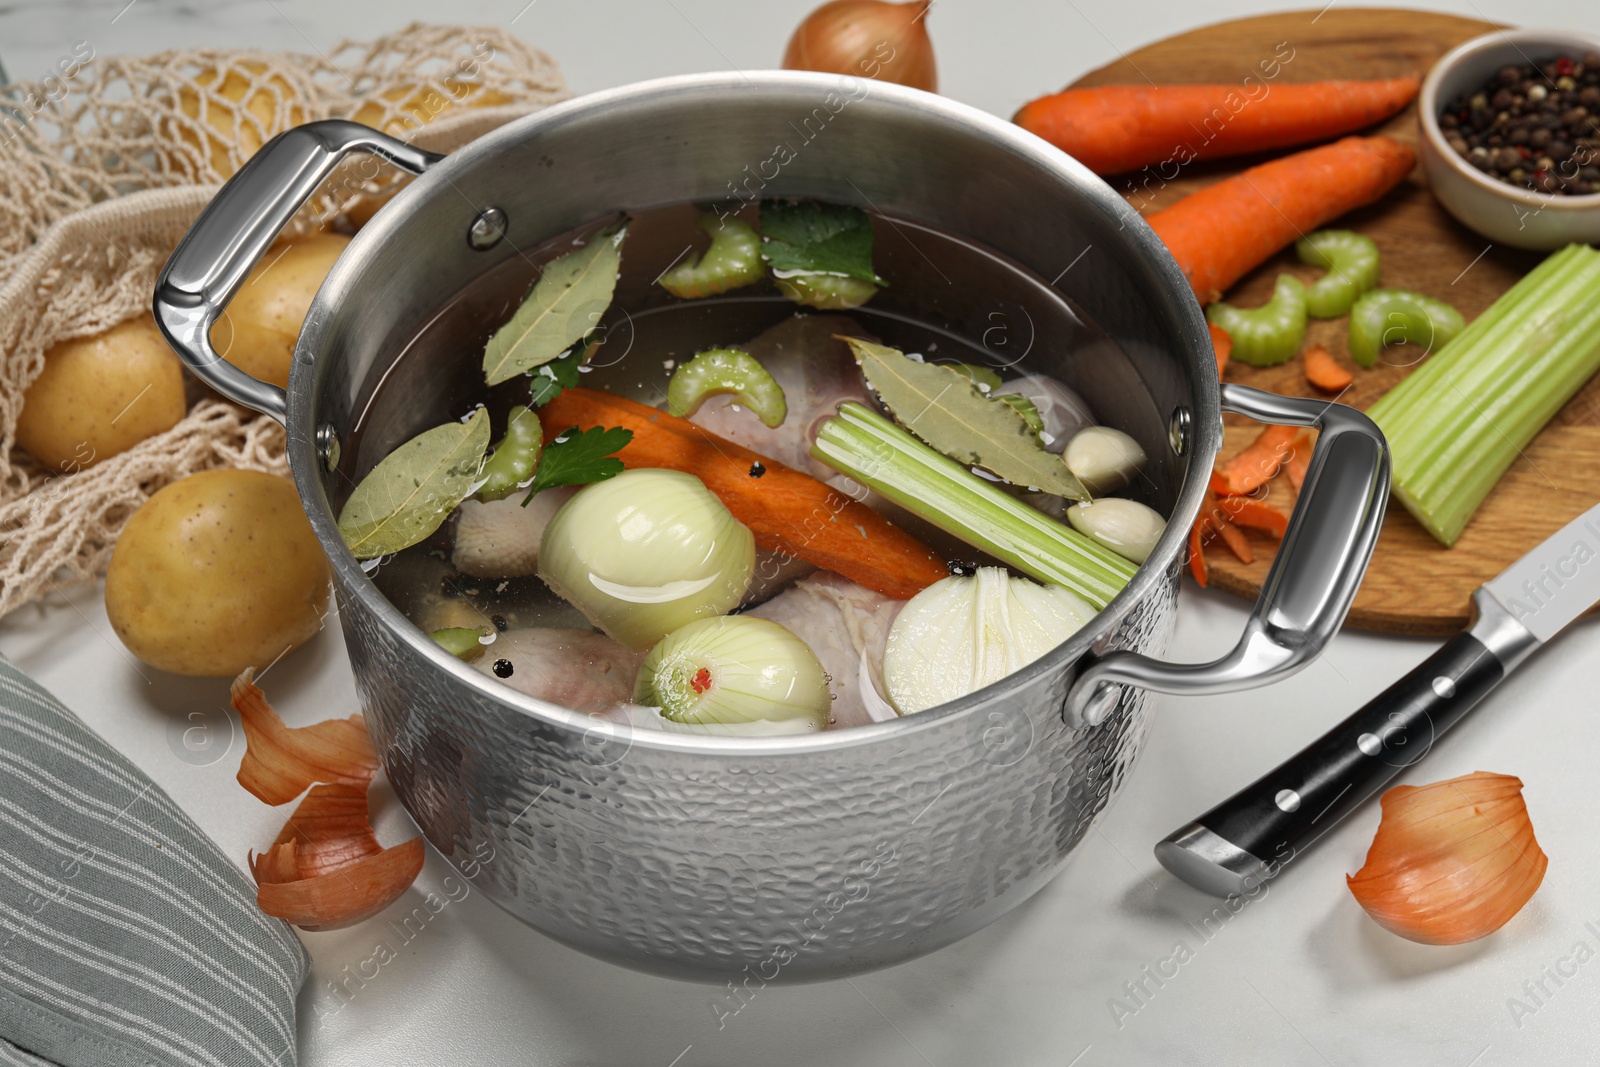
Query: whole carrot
x,y
787,510
1117,128
1218,234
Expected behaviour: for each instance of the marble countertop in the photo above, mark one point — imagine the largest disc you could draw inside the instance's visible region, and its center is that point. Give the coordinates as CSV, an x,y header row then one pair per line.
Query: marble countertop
x,y
1084,974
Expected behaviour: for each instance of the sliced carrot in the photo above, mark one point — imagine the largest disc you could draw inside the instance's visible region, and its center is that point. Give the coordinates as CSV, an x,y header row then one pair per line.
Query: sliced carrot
x,y
787,510
1245,511
1325,372
1236,542
1256,465
1112,129
1222,345
1218,234
1299,461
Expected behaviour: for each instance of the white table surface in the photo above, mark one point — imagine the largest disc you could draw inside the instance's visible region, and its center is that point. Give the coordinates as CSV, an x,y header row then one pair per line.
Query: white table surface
x,y
1298,976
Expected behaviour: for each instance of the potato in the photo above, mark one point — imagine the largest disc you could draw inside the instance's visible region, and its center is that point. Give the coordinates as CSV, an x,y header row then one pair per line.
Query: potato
x,y
248,124
217,572
419,105
101,395
258,330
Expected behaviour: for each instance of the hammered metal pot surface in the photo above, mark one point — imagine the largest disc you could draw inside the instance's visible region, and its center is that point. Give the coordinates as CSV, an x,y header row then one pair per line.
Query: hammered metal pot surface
x,y
715,857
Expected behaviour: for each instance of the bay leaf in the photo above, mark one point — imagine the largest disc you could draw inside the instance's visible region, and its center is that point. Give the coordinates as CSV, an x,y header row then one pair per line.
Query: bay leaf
x,y
413,489
945,408
563,306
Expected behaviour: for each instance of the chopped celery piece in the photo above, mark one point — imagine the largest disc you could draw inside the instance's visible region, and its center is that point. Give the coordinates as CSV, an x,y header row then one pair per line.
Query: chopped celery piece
x,y
726,370
1390,316
1270,334
826,292
887,459
1351,260
460,641
1459,420
732,261
511,465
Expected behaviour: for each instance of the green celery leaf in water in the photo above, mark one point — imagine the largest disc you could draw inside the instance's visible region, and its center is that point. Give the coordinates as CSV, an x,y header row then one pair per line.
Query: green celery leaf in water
x,y
808,237
414,488
562,308
946,409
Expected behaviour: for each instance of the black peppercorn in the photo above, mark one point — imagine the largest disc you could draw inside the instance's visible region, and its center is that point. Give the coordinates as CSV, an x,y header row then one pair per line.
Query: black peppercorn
x,y
503,668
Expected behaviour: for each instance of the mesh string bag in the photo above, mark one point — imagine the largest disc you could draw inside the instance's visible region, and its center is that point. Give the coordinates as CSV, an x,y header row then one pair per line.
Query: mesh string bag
x,y
102,172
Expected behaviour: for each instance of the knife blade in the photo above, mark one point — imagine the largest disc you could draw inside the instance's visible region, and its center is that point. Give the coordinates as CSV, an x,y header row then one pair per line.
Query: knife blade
x,y
1249,837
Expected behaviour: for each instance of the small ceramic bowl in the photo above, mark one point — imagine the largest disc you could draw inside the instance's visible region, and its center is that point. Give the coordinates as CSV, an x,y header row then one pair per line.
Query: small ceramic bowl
x,y
1506,214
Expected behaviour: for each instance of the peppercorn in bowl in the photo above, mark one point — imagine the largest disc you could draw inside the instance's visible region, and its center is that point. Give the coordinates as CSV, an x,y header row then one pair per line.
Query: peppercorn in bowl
x,y
1510,138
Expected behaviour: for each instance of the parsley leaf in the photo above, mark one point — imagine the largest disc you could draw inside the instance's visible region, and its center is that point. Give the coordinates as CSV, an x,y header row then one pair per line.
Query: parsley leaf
x,y
579,457
816,238
560,373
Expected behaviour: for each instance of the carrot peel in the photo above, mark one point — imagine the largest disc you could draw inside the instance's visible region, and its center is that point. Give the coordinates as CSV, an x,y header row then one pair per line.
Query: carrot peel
x,y
1324,372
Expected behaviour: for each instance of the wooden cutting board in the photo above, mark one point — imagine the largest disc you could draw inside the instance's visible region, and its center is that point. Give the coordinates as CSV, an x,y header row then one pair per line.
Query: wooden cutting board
x,y
1414,585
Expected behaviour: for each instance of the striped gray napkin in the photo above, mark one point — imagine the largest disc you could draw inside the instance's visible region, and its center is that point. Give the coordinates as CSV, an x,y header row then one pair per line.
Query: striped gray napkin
x,y
126,936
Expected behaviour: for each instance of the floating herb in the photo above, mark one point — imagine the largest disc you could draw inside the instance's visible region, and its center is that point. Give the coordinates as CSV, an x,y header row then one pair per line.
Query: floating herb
x,y
410,492
579,457
808,237
560,310
561,373
944,407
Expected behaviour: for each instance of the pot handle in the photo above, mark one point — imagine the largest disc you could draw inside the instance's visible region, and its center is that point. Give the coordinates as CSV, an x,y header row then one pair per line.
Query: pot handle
x,y
1313,580
235,230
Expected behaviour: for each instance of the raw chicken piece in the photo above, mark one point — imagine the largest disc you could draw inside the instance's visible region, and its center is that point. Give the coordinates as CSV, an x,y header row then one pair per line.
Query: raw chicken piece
x,y
500,539
847,626
816,372
578,669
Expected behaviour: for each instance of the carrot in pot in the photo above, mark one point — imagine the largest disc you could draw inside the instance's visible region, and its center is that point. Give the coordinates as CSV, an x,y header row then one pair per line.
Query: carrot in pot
x,y
1325,372
787,510
1222,345
1116,128
1218,234
1257,464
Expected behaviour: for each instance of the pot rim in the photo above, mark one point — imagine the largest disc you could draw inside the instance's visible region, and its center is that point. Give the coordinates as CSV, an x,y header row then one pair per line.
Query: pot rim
x,y
1204,433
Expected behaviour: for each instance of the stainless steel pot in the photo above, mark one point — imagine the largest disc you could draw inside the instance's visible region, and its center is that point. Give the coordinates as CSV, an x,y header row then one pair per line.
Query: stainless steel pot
x,y
710,857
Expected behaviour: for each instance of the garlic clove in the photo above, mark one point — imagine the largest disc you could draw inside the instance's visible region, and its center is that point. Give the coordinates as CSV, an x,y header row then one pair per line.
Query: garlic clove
x,y
1103,459
963,633
1452,861
1126,527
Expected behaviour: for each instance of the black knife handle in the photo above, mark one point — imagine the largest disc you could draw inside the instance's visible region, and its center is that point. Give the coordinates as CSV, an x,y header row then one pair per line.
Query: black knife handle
x,y
1285,810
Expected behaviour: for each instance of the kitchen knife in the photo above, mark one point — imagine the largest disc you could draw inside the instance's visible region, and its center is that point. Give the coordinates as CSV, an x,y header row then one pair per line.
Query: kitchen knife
x,y
1248,838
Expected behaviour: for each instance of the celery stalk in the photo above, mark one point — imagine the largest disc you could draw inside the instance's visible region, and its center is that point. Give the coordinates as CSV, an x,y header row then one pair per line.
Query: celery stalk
x,y
1458,422
882,456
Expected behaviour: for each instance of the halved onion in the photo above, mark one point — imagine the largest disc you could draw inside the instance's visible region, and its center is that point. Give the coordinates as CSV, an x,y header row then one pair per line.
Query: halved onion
x,y
1452,861
735,669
